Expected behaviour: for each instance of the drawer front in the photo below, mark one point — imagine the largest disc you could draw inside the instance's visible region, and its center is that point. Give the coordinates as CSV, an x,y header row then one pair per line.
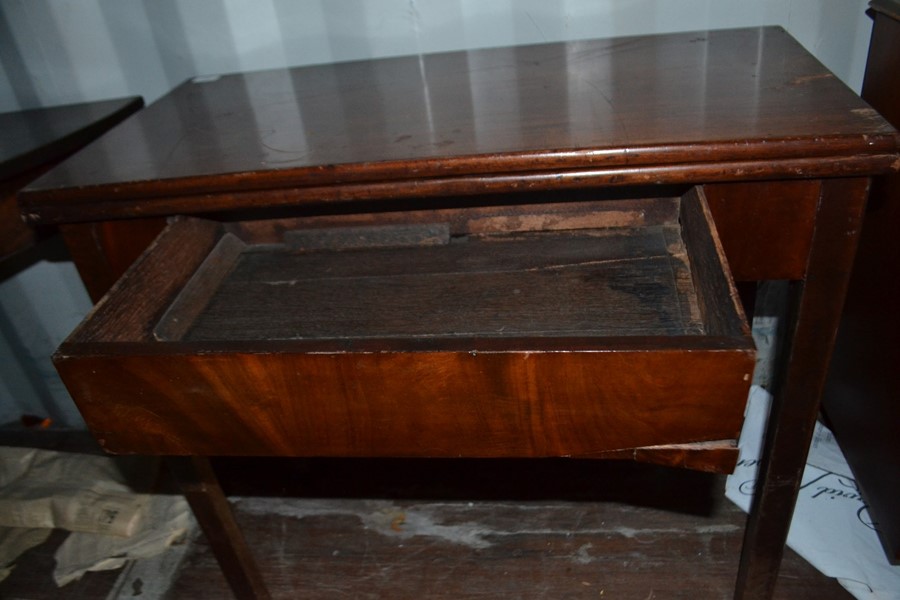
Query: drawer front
x,y
445,404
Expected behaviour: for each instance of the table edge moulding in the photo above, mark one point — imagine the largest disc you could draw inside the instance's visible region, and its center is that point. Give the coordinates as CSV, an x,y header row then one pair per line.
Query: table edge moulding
x,y
36,139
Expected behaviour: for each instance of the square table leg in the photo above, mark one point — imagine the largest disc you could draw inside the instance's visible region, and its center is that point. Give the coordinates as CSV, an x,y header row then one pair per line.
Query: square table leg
x,y
818,302
200,486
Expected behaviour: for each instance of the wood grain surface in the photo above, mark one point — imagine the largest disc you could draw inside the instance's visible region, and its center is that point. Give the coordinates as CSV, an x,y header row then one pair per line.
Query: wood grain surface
x,y
36,137
644,110
863,387
34,140
815,315
583,284
451,132
424,350
517,530
766,227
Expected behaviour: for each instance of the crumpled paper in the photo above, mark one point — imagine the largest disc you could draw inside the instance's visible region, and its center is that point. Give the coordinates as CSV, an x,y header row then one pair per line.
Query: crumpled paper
x,y
166,521
76,492
87,495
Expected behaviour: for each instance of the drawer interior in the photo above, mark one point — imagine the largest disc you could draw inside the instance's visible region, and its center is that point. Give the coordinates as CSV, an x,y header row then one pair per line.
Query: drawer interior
x,y
582,331
587,283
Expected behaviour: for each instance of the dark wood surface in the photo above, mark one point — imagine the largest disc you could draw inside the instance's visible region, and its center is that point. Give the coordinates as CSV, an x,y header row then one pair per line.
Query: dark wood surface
x,y
496,529
889,8
588,283
766,227
198,481
15,235
34,140
593,283
677,108
863,388
818,301
103,251
420,351
379,529
470,132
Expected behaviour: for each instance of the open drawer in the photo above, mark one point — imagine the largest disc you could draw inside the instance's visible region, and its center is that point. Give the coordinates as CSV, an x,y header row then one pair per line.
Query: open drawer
x,y
565,330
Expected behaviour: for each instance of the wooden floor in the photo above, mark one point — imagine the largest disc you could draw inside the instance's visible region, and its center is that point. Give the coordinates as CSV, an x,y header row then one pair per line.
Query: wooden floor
x,y
465,529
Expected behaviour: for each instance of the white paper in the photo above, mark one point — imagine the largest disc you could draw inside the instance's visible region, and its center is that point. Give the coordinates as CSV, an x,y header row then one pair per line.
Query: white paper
x,y
167,521
831,528
76,492
87,495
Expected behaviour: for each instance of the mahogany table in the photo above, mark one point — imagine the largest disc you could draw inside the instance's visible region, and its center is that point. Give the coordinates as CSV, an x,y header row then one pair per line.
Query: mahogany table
x,y
34,140
524,251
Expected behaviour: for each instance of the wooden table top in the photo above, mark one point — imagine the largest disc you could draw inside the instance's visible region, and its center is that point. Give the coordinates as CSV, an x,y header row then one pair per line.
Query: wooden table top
x,y
33,138
887,7
653,109
31,141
